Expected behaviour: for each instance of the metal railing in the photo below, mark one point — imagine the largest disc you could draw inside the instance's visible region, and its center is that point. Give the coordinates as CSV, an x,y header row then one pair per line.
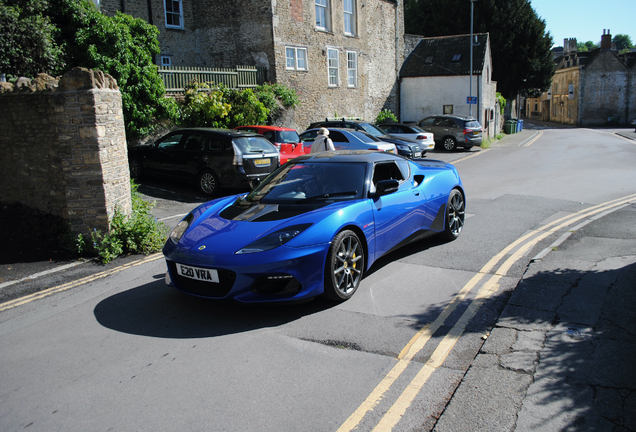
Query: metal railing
x,y
175,78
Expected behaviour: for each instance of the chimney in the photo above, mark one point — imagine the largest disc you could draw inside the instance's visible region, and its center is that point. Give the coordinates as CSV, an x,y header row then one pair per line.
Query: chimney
x,y
606,40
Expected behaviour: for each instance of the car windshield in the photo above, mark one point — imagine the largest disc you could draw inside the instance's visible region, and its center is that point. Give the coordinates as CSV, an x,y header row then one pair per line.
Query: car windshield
x,y
254,145
303,182
365,137
372,130
287,137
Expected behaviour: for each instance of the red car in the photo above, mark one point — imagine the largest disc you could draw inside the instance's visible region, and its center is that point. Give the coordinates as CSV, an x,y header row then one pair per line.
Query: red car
x,y
286,140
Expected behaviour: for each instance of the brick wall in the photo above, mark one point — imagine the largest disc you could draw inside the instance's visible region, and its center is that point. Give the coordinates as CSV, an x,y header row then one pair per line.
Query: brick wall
x,y
63,147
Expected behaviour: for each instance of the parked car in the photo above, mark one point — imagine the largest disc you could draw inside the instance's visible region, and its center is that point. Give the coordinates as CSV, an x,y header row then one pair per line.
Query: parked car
x,y
405,147
411,131
212,157
452,131
285,139
348,140
313,227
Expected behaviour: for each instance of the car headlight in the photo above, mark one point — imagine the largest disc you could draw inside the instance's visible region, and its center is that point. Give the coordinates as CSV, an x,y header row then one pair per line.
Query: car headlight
x,y
403,147
273,240
178,231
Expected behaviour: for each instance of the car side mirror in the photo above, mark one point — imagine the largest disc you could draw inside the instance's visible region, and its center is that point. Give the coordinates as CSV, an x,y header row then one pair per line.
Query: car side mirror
x,y
385,187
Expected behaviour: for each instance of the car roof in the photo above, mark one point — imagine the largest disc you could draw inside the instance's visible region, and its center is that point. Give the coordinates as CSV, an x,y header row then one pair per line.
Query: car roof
x,y
272,128
366,156
228,132
454,116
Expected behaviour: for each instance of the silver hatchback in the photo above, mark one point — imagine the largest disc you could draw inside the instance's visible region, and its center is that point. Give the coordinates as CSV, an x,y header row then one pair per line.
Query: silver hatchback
x,y
453,131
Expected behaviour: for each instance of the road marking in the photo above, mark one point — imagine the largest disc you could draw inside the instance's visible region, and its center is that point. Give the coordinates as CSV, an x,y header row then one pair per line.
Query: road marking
x,y
471,156
45,293
417,343
532,139
44,273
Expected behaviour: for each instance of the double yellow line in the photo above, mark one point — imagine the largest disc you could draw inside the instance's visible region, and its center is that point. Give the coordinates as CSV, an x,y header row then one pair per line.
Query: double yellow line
x,y
50,291
516,250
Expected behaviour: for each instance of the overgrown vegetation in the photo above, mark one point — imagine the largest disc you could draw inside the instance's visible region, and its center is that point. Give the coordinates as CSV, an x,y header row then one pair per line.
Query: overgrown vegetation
x,y
215,105
139,233
385,116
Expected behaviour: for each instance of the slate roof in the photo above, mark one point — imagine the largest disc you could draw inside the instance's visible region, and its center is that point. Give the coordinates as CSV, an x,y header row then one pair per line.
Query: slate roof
x,y
445,56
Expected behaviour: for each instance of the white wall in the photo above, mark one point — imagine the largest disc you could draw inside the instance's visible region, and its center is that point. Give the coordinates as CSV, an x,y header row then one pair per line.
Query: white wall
x,y
425,96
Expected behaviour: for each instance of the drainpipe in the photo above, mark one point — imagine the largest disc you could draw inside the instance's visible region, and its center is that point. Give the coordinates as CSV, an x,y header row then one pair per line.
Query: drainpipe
x,y
397,60
123,6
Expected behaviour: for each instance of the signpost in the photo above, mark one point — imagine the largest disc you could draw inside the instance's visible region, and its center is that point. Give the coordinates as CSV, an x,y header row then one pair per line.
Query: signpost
x,y
471,100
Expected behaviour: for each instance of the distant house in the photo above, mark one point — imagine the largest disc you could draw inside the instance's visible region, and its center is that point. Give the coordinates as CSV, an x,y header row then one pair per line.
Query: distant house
x,y
589,88
341,56
435,79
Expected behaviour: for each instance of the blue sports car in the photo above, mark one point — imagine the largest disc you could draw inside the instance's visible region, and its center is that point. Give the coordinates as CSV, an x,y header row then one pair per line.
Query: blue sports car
x,y
313,227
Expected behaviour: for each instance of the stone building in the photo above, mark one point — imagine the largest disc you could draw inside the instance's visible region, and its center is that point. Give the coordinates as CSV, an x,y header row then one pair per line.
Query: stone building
x,y
435,79
589,88
342,57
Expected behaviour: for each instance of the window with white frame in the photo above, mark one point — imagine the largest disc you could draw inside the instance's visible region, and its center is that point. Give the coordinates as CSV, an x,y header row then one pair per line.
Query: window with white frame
x,y
350,17
174,13
332,59
352,69
166,60
322,14
296,58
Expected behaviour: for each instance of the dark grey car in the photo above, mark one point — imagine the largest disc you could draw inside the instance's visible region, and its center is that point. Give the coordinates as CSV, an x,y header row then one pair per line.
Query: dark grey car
x,y
453,131
212,157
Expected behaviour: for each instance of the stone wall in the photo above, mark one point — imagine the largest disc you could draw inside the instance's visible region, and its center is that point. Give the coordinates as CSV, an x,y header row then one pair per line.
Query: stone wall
x,y
63,147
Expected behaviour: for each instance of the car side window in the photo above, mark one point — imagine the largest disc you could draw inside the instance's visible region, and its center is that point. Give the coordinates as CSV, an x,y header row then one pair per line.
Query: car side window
x,y
338,137
269,135
430,121
195,143
388,171
450,123
309,136
171,142
216,144
392,129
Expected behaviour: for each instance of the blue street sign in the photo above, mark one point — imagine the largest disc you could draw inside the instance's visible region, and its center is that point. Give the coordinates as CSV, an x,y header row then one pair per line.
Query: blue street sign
x,y
471,100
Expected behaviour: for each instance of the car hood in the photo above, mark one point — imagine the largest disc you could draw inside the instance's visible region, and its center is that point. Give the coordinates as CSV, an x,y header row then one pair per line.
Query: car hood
x,y
227,229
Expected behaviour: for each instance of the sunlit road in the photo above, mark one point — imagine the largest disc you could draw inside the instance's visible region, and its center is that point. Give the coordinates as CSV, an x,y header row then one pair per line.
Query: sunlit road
x,y
125,352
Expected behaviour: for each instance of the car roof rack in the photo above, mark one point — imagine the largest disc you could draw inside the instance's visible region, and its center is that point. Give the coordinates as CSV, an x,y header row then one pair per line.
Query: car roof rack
x,y
342,118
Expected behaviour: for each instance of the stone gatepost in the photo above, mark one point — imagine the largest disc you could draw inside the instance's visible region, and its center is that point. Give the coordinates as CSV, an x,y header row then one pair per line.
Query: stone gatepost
x,y
63,147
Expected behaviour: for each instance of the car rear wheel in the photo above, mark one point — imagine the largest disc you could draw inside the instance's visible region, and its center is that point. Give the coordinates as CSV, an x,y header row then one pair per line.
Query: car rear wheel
x,y
207,182
449,143
455,214
136,168
344,267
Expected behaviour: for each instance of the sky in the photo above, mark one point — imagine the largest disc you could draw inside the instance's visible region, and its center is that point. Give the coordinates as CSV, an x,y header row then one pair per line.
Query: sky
x,y
585,20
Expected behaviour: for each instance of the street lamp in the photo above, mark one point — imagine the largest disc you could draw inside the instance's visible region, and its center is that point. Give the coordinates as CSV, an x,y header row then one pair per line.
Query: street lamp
x,y
470,105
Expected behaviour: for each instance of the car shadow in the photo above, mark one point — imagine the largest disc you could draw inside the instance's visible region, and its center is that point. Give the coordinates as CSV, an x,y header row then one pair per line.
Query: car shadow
x,y
158,310
183,192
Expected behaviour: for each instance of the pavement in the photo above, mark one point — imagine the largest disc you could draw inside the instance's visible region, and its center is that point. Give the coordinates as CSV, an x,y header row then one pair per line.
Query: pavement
x,y
560,357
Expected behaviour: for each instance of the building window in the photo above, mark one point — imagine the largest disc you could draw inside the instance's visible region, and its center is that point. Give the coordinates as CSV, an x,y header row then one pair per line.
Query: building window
x,y
350,17
332,63
352,69
448,109
174,13
296,58
322,14
166,61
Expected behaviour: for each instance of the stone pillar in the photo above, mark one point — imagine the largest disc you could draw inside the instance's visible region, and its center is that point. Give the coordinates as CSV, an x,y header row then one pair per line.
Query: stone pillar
x,y
63,147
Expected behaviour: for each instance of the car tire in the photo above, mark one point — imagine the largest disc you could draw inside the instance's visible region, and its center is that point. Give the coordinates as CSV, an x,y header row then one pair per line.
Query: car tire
x,y
455,215
136,169
344,267
208,183
449,143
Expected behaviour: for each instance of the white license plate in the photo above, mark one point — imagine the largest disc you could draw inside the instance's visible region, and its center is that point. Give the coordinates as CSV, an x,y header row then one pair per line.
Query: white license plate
x,y
196,273
417,155
262,161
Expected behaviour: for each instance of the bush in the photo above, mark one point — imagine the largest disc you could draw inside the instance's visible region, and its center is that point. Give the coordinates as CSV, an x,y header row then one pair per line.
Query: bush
x,y
140,233
385,115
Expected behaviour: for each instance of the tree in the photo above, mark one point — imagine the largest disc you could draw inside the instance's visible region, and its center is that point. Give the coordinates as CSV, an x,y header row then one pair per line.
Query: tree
x,y
521,47
28,43
587,46
622,42
77,34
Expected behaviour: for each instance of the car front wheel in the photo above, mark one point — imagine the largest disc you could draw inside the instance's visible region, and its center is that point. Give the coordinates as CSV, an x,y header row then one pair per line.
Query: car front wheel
x,y
449,143
208,183
455,214
344,267
136,169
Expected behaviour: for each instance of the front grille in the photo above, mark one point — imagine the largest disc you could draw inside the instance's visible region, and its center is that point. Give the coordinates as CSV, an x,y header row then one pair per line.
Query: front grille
x,y
276,285
201,288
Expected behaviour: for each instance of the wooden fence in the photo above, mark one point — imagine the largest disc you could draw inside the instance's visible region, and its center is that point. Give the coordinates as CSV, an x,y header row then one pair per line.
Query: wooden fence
x,y
176,78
